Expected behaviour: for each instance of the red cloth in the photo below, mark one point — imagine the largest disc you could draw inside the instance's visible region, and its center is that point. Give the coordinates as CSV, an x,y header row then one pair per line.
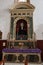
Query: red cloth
x,y
26,62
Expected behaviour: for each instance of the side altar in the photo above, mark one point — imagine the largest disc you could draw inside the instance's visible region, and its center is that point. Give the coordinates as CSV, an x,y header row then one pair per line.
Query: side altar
x,y
21,42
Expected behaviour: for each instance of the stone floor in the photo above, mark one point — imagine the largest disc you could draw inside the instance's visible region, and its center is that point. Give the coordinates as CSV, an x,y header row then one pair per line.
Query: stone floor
x,y
19,64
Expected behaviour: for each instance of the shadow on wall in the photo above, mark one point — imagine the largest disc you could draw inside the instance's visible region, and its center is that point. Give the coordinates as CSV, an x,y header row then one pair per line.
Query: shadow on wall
x,y
0,35
39,32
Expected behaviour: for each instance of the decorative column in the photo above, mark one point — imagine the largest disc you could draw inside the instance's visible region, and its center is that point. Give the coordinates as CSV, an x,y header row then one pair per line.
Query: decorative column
x,y
14,31
11,27
28,31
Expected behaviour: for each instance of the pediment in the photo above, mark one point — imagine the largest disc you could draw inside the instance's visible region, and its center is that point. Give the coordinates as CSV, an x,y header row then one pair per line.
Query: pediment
x,y
23,6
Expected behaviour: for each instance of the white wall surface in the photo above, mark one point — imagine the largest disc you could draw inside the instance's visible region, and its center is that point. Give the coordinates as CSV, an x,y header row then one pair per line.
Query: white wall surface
x,y
37,17
4,23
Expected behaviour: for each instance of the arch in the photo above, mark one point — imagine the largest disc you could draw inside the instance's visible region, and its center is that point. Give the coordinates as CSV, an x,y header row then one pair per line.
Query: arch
x,y
14,28
28,6
21,29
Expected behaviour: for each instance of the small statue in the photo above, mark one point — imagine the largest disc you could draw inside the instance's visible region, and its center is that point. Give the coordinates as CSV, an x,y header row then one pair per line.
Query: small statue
x,y
22,25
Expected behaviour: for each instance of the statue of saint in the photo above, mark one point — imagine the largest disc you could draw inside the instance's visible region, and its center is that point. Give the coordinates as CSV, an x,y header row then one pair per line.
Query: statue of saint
x,y
22,25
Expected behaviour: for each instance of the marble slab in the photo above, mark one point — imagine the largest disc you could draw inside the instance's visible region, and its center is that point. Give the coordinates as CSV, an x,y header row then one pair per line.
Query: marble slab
x,y
13,50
